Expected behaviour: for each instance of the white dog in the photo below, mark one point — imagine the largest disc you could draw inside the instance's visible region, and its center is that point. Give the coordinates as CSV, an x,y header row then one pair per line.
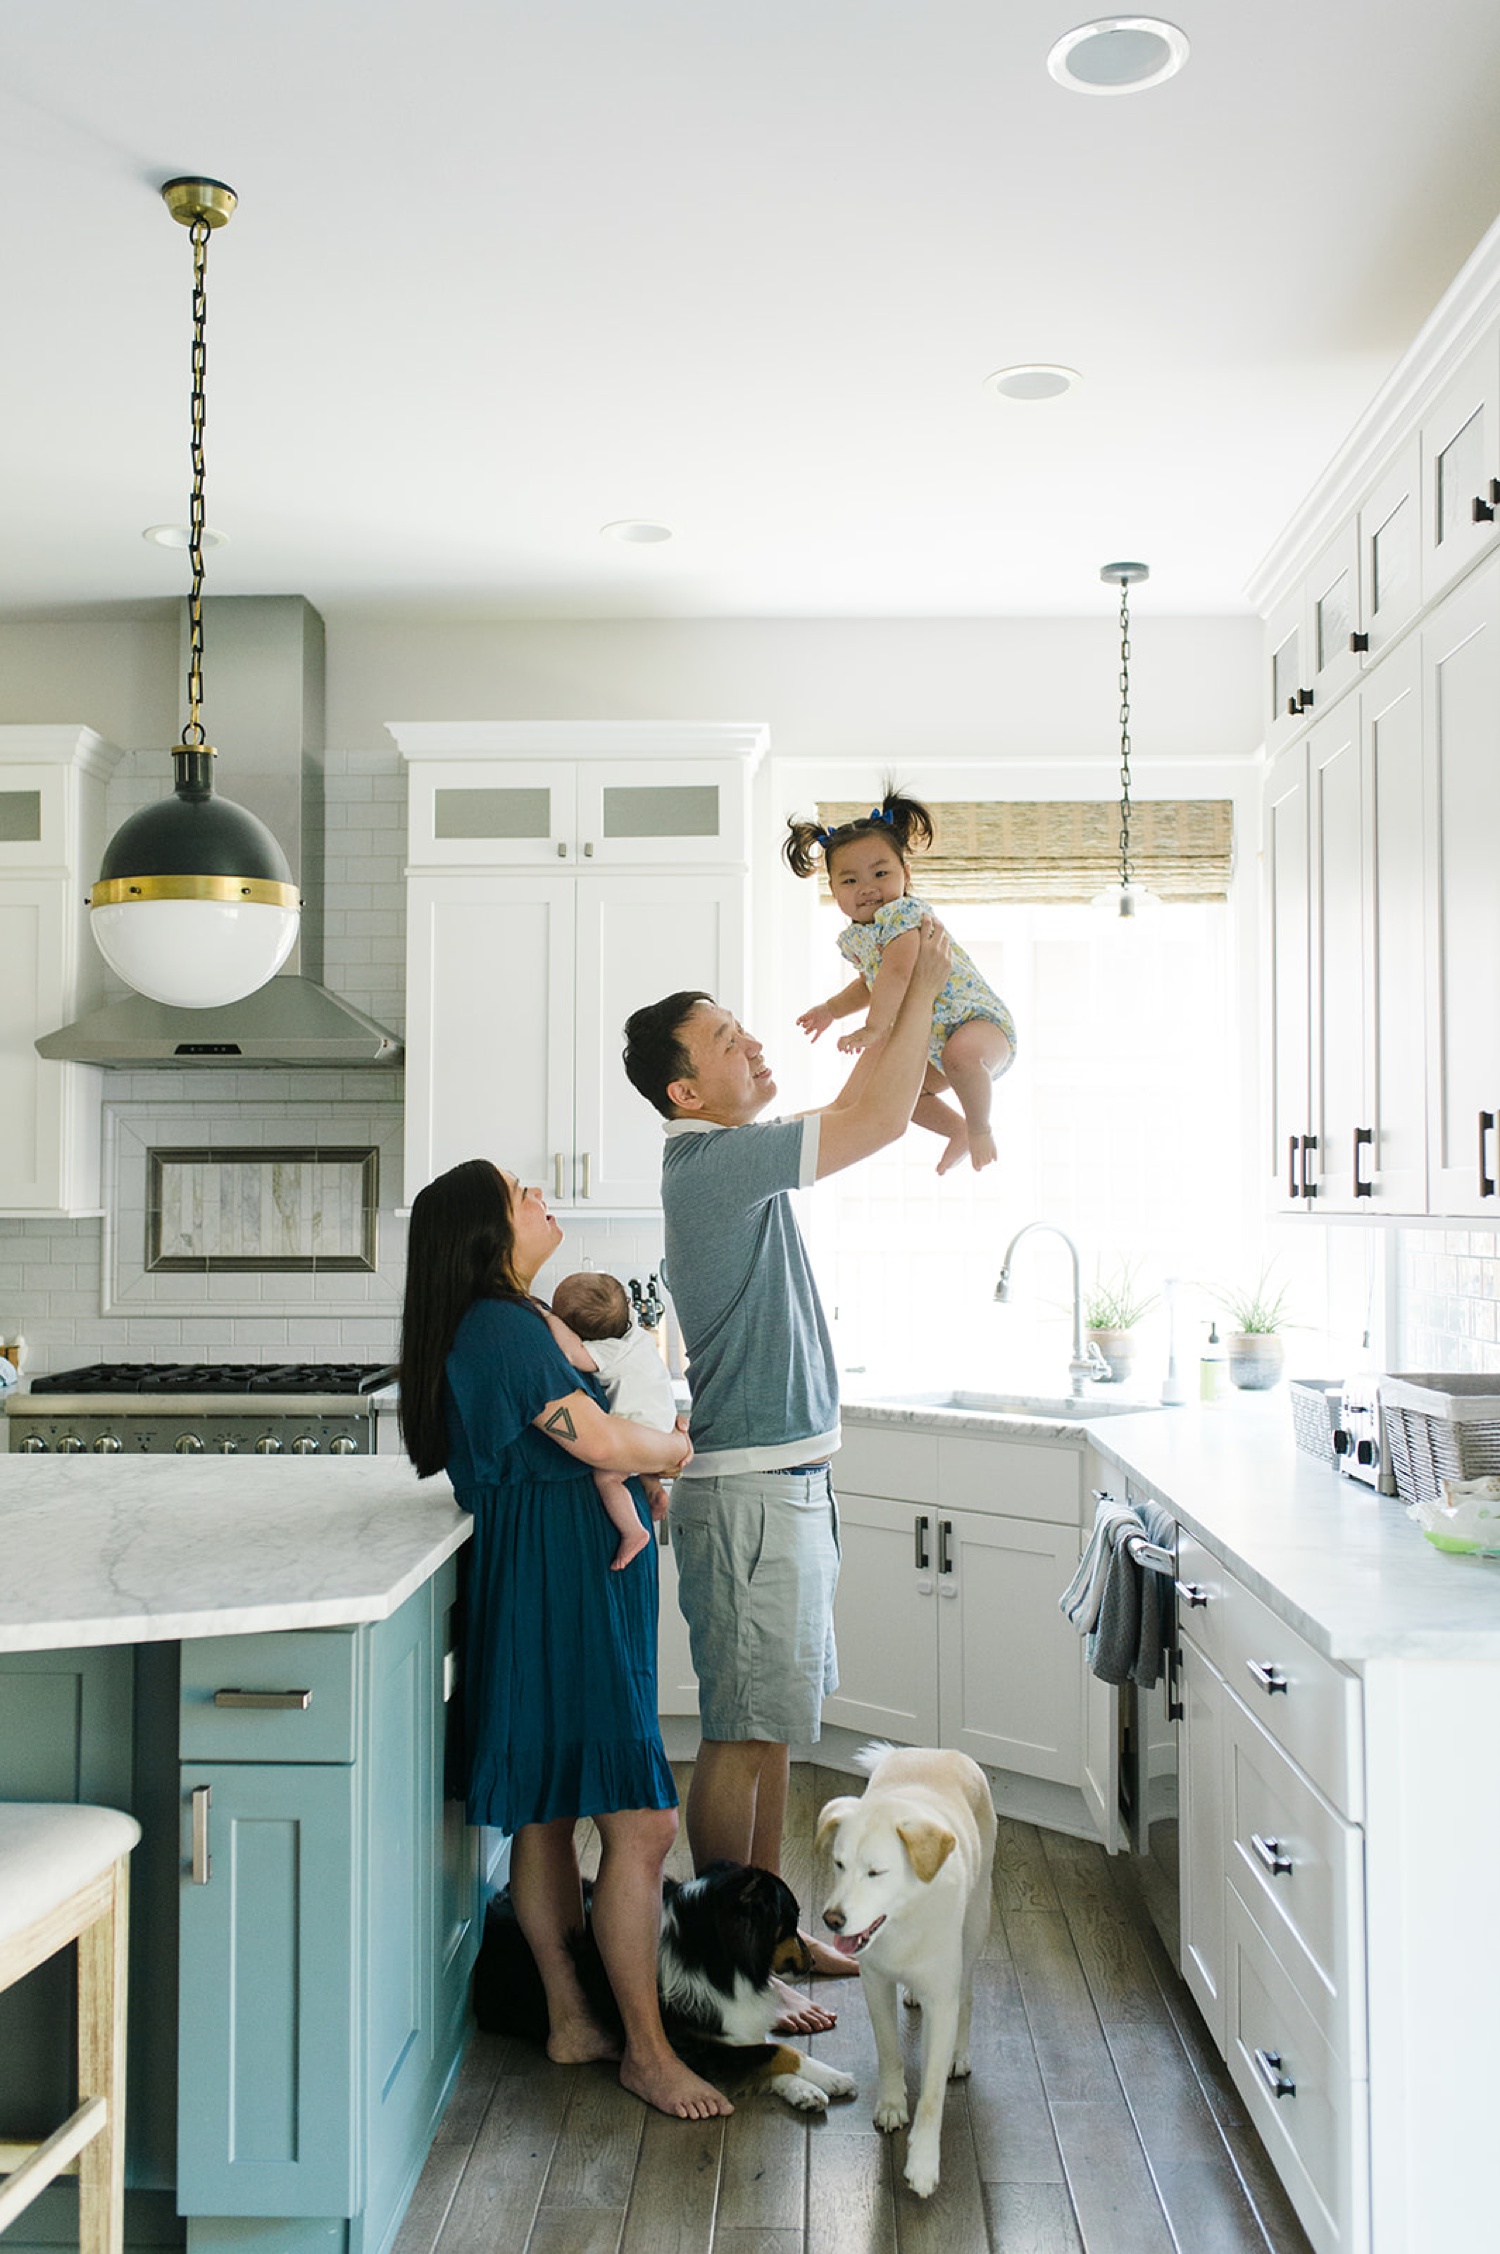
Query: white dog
x,y
911,1900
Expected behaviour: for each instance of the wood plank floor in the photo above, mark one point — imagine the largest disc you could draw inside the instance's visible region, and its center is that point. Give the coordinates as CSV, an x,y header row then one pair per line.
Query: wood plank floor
x,y
1098,2120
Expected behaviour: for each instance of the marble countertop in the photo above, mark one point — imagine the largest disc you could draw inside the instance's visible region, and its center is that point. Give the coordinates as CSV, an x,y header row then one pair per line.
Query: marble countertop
x,y
1343,1565
147,1549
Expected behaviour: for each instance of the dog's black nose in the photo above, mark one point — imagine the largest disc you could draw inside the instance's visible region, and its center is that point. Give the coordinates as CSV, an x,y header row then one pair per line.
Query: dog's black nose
x,y
834,1920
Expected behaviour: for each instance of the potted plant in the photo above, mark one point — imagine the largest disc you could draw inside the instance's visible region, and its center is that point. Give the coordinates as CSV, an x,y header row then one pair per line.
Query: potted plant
x,y
1254,1346
1111,1310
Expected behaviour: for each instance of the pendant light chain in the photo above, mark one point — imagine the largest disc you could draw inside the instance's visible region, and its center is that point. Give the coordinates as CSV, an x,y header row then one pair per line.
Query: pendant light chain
x,y
1124,735
193,732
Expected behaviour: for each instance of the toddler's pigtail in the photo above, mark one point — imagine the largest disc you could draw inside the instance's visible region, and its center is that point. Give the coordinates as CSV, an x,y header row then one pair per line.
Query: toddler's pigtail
x,y
910,822
802,846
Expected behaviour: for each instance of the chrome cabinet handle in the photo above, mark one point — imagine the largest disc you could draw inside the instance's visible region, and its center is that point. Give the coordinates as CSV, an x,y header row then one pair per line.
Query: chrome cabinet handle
x,y
1191,1592
1268,2066
1268,1675
589,851
1268,1851
921,1528
562,851
276,1701
1363,1136
587,1163
557,1176
203,1862
1486,1127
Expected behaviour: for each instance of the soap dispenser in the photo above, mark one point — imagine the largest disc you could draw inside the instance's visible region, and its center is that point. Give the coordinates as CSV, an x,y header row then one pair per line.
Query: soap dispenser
x,y
1212,1369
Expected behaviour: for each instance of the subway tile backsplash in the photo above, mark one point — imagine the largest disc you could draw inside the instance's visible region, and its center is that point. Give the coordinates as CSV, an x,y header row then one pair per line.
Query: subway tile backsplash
x,y
1450,1299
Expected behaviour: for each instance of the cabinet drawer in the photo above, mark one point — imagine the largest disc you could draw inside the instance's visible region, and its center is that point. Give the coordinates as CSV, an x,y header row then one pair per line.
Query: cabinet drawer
x,y
1316,2131
318,1662
1310,1706
1200,1570
887,1459
1302,1867
1011,1478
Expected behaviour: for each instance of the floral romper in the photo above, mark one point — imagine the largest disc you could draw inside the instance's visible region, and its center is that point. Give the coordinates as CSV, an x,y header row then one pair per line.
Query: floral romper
x,y
966,994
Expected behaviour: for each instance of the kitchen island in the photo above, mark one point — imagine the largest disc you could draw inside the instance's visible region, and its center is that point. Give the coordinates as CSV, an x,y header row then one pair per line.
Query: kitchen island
x,y
252,1656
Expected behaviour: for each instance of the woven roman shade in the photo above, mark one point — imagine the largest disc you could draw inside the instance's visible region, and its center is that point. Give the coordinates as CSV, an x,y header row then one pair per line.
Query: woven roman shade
x,y
998,850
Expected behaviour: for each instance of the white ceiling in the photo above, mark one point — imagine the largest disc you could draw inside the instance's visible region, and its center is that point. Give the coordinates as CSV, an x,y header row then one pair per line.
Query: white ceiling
x,y
505,270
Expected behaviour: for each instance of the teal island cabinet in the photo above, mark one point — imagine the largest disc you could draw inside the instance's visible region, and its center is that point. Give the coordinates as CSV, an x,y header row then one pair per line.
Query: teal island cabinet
x,y
255,1659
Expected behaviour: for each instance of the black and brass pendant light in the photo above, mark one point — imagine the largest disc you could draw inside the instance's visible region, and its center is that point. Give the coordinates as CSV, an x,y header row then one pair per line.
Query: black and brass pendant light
x,y
195,903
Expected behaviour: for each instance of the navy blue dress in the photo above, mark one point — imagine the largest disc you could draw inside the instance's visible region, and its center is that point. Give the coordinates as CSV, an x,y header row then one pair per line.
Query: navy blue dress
x,y
559,1672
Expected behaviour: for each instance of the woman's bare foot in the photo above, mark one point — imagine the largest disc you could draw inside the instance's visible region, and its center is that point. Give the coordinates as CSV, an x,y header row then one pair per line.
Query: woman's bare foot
x,y
982,1147
955,1148
833,1964
578,2042
631,1545
672,2088
798,2016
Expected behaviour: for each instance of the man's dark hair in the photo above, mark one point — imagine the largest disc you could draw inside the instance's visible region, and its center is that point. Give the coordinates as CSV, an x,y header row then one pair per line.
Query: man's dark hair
x,y
655,1054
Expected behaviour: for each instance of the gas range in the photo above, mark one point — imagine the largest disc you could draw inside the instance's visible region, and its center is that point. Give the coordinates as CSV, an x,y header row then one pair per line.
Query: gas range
x,y
202,1408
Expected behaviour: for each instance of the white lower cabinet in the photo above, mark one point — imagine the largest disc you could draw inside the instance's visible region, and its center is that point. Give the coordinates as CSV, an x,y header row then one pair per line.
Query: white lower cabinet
x,y
1272,1889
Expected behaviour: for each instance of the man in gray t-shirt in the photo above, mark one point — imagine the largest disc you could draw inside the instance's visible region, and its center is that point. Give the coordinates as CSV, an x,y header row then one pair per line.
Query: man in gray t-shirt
x,y
754,1524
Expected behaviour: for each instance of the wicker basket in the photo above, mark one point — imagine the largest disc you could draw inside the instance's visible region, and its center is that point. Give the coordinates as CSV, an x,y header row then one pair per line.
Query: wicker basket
x,y
1439,1426
1315,1402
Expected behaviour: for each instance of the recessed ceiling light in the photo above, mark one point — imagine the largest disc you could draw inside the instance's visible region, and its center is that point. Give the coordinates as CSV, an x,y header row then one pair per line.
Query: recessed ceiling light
x,y
180,536
1033,379
638,532
1118,55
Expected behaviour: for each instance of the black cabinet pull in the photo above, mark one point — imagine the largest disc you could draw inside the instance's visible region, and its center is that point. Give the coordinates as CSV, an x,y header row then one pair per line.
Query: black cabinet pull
x,y
1486,1181
945,1536
1291,1167
1362,1136
1484,511
921,1529
1309,1143
1358,644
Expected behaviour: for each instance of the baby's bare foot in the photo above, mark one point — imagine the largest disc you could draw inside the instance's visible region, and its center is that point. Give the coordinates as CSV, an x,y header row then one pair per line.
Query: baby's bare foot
x,y
631,1545
981,1147
953,1150
673,2088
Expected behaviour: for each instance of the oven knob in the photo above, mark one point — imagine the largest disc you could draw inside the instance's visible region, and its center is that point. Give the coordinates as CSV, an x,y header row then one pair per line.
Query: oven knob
x,y
268,1445
71,1445
343,1446
226,1445
304,1445
106,1445
32,1445
188,1444
1364,1452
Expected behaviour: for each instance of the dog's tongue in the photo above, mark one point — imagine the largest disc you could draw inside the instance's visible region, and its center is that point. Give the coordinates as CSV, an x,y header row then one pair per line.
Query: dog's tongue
x,y
847,1944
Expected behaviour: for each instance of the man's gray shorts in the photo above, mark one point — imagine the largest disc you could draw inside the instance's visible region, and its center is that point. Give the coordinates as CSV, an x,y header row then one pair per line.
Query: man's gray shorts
x,y
757,1564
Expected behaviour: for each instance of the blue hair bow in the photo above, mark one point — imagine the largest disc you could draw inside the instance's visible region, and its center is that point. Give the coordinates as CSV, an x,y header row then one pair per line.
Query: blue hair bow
x,y
879,814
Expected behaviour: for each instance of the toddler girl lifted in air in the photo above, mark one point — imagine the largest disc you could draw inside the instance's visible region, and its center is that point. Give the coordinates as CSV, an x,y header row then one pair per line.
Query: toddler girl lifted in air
x,y
973,1034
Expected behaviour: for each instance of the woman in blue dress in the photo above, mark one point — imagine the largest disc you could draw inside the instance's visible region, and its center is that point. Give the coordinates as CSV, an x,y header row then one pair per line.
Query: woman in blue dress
x,y
559,1673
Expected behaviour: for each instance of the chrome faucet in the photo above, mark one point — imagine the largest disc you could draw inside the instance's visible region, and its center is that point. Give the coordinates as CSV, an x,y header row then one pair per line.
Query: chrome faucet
x,y
1089,1363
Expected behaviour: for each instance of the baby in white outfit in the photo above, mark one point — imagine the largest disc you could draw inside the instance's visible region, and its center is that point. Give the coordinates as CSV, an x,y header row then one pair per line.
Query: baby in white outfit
x,y
592,1322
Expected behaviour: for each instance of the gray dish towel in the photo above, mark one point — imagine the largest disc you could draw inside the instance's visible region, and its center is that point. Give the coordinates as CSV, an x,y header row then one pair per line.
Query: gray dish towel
x,y
1123,1609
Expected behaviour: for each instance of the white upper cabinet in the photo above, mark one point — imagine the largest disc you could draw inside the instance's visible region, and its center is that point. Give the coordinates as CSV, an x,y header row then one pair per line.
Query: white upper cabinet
x,y
548,896
52,783
1390,552
1314,640
1461,469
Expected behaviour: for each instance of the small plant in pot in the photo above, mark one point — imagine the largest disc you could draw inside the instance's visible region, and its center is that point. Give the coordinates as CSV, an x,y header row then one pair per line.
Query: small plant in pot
x,y
1253,1345
1111,1310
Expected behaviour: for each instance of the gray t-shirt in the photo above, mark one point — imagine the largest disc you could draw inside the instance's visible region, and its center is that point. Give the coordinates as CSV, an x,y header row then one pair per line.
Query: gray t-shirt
x,y
761,1368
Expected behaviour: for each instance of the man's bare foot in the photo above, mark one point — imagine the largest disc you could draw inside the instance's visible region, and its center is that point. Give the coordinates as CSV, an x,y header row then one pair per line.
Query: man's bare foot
x,y
798,2016
672,2088
832,1964
578,2042
982,1147
953,1150
631,1545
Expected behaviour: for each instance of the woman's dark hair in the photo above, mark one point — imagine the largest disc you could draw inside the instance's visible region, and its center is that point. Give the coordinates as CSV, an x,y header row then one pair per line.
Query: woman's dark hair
x,y
905,821
460,1247
655,1054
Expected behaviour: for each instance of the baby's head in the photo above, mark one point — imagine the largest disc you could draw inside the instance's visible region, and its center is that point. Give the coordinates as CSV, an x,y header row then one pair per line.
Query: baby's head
x,y
866,859
592,1304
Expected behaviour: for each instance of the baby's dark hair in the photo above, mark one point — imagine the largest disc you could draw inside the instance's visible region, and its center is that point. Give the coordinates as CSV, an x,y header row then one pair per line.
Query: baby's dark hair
x,y
905,821
593,1304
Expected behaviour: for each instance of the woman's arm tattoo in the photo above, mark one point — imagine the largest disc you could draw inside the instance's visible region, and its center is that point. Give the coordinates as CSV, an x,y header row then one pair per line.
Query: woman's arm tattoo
x,y
562,1424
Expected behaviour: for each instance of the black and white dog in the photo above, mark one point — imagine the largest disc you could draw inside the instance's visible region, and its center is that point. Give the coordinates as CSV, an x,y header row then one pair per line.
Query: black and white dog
x,y
724,1936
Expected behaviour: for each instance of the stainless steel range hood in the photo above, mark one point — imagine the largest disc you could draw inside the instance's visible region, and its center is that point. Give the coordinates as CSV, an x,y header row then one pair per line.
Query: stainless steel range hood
x,y
265,697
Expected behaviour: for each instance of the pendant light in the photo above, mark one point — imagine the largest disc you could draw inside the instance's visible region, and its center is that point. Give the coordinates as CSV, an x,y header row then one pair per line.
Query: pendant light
x,y
1128,898
195,903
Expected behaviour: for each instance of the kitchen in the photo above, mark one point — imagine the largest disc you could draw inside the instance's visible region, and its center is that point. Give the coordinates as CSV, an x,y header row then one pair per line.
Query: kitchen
x,y
1017,704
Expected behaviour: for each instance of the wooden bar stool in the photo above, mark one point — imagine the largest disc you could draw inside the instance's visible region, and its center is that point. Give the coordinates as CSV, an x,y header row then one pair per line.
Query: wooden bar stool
x,y
65,1876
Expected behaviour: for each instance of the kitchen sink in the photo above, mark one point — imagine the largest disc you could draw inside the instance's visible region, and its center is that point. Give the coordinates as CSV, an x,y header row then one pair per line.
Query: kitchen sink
x,y
1062,1406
